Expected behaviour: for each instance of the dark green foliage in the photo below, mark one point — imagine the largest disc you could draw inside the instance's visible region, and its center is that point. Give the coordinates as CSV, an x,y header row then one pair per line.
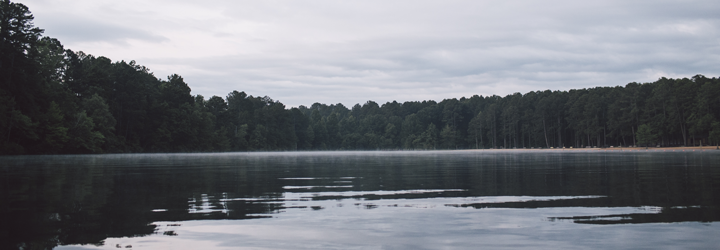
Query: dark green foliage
x,y
84,138
597,117
55,101
17,128
715,134
55,135
645,135
98,110
19,58
475,130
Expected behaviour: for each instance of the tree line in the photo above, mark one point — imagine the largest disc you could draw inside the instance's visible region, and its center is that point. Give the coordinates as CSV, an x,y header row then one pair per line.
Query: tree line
x,y
54,101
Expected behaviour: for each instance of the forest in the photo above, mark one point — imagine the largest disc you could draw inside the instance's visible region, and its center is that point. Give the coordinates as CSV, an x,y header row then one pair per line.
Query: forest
x,y
58,101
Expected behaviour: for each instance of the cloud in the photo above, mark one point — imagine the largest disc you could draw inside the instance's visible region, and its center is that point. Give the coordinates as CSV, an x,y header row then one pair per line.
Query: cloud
x,y
78,29
300,52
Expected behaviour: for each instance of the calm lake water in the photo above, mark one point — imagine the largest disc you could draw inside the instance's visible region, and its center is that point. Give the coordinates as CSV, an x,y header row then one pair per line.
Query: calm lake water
x,y
363,200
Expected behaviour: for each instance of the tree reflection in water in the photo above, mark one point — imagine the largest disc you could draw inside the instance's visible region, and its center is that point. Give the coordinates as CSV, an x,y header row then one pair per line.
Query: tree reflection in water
x,y
59,200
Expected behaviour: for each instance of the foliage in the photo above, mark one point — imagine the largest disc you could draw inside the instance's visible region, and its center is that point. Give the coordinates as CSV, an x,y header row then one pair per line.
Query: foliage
x,y
645,135
54,101
715,134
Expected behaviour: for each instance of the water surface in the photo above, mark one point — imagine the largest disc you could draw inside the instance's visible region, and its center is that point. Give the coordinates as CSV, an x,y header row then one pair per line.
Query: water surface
x,y
383,200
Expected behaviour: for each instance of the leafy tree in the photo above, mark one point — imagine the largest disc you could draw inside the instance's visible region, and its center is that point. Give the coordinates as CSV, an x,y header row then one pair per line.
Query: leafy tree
x,y
218,107
258,140
715,134
54,100
300,127
16,127
390,136
55,134
475,129
645,135
18,67
239,138
447,137
411,127
428,139
21,92
309,137
175,91
99,112
83,137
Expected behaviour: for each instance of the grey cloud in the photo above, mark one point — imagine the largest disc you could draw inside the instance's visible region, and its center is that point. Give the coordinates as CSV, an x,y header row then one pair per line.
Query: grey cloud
x,y
350,52
392,72
72,29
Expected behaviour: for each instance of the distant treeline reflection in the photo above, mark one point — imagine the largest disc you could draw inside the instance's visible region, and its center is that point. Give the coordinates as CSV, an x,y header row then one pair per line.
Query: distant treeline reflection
x,y
54,100
51,200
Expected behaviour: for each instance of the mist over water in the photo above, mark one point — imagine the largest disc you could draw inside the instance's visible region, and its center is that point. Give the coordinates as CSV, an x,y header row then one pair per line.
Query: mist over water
x,y
371,199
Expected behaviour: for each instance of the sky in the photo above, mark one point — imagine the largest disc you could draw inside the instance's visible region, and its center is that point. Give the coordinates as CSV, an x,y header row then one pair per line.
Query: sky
x,y
300,52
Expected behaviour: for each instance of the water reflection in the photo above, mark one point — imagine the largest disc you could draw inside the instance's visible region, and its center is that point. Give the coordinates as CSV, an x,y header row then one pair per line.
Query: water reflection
x,y
61,200
655,215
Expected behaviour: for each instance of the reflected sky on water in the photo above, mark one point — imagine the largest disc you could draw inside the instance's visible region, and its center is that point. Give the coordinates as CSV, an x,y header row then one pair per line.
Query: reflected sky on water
x,y
394,200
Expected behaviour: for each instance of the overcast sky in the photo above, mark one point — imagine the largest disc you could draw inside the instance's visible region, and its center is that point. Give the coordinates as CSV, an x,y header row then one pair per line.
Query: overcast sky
x,y
301,52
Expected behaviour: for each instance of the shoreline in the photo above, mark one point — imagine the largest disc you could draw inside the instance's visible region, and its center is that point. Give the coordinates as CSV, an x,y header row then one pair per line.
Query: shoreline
x,y
666,149
619,149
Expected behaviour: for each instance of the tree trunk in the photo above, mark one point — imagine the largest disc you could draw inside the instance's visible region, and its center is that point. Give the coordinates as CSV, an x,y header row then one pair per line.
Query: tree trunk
x,y
560,144
505,136
515,137
682,125
682,129
476,141
494,139
589,144
481,139
547,144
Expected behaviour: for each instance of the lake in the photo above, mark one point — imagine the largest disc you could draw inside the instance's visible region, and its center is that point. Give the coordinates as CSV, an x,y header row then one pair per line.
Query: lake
x,y
513,199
